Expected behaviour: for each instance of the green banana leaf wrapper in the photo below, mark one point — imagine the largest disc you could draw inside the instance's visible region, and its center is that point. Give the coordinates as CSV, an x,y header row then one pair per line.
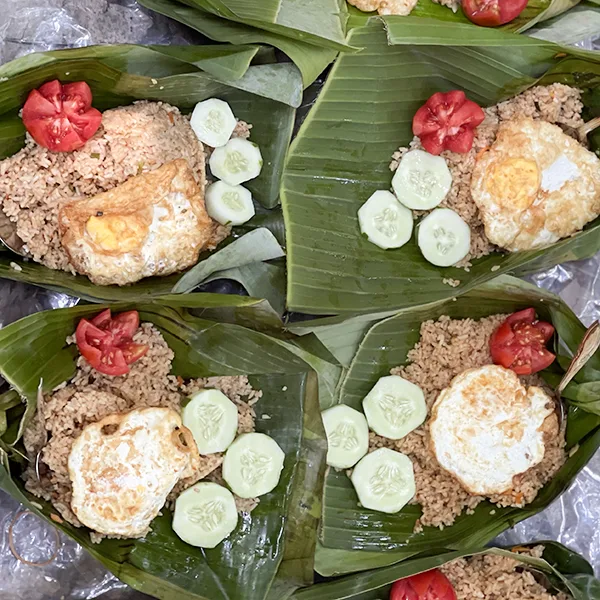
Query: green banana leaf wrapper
x,y
363,114
309,32
271,552
264,95
559,569
353,538
536,11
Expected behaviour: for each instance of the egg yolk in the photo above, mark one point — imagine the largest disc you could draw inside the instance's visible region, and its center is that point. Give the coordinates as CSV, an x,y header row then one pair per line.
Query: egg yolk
x,y
116,233
514,182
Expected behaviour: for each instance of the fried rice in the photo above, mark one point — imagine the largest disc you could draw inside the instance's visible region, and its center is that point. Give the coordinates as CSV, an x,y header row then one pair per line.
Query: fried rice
x,y
35,182
90,396
446,348
491,576
557,103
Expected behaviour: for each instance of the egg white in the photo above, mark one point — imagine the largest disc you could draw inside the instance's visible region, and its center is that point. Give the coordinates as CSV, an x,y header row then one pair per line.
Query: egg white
x,y
121,480
486,428
564,199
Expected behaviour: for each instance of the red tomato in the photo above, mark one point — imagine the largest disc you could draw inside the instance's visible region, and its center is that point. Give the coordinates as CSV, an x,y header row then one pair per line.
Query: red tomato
x,y
519,343
491,13
60,117
447,121
431,585
107,344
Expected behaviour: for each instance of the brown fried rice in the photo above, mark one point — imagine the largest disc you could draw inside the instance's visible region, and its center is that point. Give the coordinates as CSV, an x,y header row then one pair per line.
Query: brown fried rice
x,y
446,348
488,576
90,396
35,182
556,103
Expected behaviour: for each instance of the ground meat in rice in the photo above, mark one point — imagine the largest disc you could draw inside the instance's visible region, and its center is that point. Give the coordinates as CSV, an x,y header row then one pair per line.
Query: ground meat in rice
x,y
90,396
556,103
446,348
488,576
35,182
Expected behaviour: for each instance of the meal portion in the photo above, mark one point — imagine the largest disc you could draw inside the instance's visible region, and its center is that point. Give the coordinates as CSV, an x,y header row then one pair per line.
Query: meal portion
x,y
487,13
466,419
122,195
123,438
481,576
510,177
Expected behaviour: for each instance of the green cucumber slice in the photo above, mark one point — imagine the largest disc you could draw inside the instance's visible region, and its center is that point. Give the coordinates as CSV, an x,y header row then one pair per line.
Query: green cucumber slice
x,y
229,204
213,122
384,221
213,420
205,515
443,237
347,436
384,480
421,180
236,162
394,407
252,465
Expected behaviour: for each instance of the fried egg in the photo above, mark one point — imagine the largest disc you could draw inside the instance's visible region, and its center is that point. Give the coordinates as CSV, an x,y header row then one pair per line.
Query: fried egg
x,y
487,427
535,185
123,467
153,224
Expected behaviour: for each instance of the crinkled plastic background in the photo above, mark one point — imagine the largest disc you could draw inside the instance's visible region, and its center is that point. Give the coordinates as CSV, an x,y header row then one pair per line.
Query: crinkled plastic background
x,y
25,27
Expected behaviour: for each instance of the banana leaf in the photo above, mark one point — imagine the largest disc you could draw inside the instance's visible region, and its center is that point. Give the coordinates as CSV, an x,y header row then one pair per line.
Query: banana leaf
x,y
276,541
310,59
264,95
354,538
559,568
363,114
225,61
535,12
319,22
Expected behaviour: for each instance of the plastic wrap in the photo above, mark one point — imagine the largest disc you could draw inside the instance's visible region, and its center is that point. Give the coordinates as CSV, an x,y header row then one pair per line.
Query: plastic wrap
x,y
71,573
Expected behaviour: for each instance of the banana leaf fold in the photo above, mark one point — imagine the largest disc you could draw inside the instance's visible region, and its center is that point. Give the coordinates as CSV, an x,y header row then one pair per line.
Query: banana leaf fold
x,y
353,538
273,547
342,153
309,32
264,95
558,570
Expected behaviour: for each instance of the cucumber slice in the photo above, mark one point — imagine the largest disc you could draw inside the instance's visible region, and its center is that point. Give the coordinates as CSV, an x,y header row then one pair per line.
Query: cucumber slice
x,y
229,204
384,480
213,122
213,420
443,237
422,180
236,162
347,436
384,221
394,407
252,465
205,515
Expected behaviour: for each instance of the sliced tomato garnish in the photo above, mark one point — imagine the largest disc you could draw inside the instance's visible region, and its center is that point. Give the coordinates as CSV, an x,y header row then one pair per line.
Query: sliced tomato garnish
x,y
102,319
491,13
107,342
519,343
60,117
431,585
447,121
133,352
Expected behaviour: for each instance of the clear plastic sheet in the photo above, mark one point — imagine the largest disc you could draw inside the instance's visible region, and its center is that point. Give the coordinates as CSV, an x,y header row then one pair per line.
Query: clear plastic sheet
x,y
72,574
